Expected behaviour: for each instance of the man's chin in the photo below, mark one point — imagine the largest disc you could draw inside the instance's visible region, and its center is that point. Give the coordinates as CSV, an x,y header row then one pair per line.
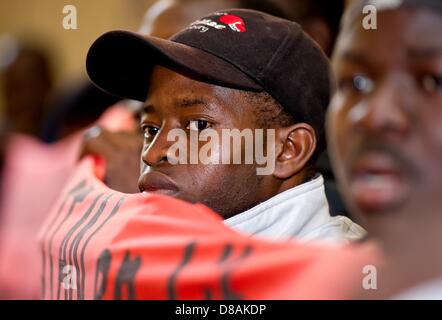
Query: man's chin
x,y
383,201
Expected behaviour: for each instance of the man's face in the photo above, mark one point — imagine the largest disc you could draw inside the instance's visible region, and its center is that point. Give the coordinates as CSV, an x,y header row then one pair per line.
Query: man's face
x,y
385,121
177,102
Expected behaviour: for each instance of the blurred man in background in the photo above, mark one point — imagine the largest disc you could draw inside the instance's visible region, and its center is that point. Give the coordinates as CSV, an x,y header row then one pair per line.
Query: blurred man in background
x,y
319,18
385,134
27,84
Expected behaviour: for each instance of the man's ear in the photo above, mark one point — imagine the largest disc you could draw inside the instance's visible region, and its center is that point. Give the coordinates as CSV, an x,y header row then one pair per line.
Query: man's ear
x,y
295,146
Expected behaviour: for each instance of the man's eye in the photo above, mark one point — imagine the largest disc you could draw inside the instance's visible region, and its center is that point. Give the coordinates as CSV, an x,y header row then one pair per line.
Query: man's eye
x,y
432,83
150,131
363,84
358,83
198,125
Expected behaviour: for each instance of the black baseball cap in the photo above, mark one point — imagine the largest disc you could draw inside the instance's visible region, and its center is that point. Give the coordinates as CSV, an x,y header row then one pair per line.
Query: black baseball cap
x,y
235,48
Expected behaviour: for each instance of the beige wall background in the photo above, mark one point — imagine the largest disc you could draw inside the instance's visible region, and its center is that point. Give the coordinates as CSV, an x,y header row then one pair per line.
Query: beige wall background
x,y
40,22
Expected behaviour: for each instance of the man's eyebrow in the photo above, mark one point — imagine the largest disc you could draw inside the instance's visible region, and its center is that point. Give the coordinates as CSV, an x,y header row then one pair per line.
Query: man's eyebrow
x,y
355,57
181,103
192,102
147,108
424,53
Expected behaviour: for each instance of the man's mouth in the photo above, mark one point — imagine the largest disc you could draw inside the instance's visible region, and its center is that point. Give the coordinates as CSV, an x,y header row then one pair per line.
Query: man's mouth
x,y
157,183
378,182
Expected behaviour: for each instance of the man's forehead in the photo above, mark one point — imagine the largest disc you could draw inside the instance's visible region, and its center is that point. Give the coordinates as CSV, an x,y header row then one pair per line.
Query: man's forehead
x,y
401,20
410,54
413,39
166,84
184,101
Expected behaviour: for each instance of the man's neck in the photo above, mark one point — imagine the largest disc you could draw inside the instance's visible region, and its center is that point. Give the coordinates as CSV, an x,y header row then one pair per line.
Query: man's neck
x,y
293,182
415,259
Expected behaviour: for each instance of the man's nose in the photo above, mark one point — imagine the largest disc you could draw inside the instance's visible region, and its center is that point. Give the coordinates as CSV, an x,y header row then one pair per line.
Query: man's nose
x,y
385,111
155,152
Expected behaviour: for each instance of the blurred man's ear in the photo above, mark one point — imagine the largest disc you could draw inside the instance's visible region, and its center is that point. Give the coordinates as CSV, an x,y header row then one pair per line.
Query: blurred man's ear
x,y
295,146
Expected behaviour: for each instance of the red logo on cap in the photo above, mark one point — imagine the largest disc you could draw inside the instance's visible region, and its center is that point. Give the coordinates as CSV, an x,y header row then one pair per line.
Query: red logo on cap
x,y
235,23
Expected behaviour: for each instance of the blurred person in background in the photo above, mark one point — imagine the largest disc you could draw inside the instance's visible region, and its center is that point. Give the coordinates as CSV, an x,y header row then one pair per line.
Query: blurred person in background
x,y
73,108
319,18
385,137
27,83
32,106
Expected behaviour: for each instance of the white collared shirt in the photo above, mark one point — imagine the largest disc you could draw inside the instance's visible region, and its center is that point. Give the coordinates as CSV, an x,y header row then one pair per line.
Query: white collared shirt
x,y
301,213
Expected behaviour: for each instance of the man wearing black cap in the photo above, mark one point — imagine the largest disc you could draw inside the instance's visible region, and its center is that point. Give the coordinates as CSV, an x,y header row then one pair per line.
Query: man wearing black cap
x,y
163,19
385,135
234,69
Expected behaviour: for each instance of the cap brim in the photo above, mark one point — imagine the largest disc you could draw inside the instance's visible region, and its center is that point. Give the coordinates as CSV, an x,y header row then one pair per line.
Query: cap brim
x,y
121,62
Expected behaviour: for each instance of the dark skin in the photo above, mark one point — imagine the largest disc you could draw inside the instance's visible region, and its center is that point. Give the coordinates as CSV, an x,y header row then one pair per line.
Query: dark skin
x,y
385,139
176,101
122,171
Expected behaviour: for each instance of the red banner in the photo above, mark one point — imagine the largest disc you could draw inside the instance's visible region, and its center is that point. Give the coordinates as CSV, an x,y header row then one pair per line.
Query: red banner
x,y
101,244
